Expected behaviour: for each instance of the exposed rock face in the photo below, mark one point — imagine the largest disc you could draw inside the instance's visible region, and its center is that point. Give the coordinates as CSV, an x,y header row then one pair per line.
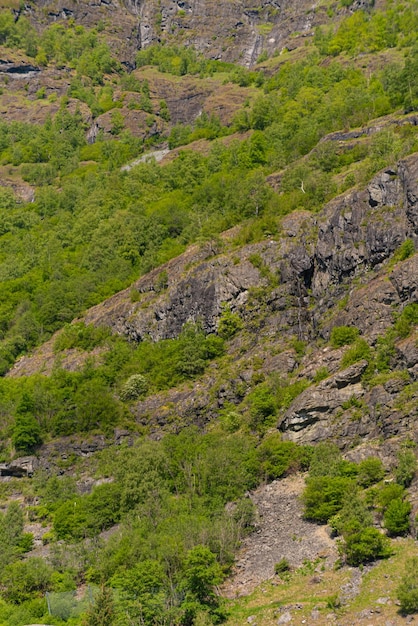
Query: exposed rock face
x,y
319,404
186,97
23,466
353,237
121,24
232,31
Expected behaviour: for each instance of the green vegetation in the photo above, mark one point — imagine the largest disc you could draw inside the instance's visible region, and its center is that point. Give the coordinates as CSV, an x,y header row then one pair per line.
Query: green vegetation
x,y
179,60
331,495
91,230
370,471
229,323
343,335
360,350
157,534
82,401
408,589
277,458
70,45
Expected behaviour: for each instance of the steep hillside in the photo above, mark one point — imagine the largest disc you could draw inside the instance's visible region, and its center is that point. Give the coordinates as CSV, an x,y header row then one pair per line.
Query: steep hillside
x,y
350,265
208,313
232,31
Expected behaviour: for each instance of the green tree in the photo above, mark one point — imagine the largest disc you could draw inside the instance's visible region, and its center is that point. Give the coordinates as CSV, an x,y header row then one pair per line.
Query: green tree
x,y
370,471
396,517
27,433
324,496
229,323
134,387
22,579
102,611
277,457
201,575
353,516
365,545
144,589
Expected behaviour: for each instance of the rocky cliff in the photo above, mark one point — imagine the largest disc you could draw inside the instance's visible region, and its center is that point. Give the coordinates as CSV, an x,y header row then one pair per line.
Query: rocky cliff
x,y
235,31
337,268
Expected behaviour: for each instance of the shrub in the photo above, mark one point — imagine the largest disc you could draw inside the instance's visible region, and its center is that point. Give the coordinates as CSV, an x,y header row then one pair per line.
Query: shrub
x,y
360,350
23,578
282,566
326,460
321,374
396,517
229,323
263,407
407,319
277,457
353,516
134,387
405,250
287,393
371,471
408,589
388,493
407,466
80,336
365,546
323,496
343,335
27,434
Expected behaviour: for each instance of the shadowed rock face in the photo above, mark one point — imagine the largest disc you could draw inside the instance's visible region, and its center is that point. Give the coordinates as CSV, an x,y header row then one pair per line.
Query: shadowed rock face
x,y
23,466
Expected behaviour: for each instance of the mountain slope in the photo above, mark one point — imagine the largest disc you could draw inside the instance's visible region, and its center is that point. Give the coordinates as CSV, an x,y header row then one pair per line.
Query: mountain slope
x,y
208,312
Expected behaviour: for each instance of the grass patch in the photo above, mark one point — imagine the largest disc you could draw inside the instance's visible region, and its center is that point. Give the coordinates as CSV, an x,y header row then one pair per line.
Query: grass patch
x,y
384,578
380,582
266,600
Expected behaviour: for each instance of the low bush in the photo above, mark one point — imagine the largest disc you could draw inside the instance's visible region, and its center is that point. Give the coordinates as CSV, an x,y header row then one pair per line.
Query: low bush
x,y
365,546
371,471
396,517
324,496
277,457
359,351
343,335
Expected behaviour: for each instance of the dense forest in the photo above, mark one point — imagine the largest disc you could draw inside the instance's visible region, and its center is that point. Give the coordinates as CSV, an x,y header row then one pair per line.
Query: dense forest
x,y
83,215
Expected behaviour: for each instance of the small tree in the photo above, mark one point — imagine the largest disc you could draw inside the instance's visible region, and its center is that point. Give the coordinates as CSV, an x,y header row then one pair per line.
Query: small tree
x,y
102,611
343,335
26,433
396,517
134,387
324,496
371,471
407,466
229,323
365,546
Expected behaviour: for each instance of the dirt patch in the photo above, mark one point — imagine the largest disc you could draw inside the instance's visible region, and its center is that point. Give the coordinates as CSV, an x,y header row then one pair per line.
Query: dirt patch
x,y
281,532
